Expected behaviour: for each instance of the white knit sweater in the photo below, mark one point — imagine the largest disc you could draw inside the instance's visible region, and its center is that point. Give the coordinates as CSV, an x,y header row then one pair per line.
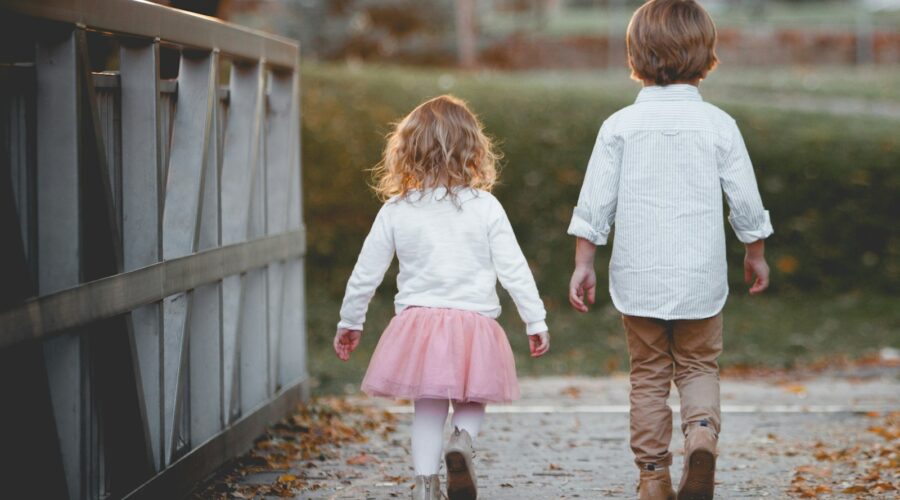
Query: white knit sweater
x,y
451,255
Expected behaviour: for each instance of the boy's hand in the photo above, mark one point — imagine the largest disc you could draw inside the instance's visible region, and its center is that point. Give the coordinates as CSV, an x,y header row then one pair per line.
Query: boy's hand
x,y
582,285
539,343
345,342
755,266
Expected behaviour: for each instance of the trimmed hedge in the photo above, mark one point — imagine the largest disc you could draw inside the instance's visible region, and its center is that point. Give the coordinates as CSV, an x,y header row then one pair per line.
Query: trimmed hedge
x,y
832,184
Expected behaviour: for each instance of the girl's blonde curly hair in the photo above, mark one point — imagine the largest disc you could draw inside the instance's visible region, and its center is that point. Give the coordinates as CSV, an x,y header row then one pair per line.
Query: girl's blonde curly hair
x,y
441,143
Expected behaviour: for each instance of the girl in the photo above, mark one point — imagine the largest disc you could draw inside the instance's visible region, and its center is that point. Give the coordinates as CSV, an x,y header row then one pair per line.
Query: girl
x,y
453,240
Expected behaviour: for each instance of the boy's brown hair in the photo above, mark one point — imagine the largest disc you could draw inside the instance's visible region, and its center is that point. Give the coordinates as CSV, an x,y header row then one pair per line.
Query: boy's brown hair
x,y
671,41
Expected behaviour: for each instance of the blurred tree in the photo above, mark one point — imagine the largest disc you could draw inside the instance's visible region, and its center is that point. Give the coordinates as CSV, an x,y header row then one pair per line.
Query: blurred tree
x,y
466,42
396,30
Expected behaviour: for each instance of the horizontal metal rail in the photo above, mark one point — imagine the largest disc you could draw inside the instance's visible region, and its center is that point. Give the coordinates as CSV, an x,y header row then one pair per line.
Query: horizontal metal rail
x,y
146,19
42,317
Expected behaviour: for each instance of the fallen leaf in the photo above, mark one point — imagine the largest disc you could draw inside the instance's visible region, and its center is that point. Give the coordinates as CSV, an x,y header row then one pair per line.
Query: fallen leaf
x,y
571,391
362,459
797,389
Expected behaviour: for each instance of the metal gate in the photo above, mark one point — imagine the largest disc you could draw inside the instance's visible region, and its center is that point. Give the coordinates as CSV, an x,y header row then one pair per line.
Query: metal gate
x,y
152,311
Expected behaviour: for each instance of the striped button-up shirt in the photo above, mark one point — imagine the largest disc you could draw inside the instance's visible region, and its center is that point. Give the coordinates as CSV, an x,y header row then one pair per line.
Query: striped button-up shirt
x,y
657,172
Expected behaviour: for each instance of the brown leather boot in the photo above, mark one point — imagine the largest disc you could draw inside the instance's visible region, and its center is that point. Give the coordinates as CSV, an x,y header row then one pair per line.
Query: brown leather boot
x,y
699,479
656,484
461,482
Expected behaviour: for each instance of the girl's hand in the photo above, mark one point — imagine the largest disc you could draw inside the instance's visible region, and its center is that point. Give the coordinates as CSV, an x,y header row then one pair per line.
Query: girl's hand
x,y
539,343
345,342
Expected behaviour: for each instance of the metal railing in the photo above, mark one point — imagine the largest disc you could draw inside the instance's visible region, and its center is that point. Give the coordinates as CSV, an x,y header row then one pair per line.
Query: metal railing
x,y
152,316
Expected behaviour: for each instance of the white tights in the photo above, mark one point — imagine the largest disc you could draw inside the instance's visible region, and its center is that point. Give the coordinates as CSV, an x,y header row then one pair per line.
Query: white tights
x,y
428,430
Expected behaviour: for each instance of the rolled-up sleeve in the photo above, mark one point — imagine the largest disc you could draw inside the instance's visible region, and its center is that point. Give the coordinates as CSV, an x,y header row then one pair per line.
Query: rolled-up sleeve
x,y
595,213
747,216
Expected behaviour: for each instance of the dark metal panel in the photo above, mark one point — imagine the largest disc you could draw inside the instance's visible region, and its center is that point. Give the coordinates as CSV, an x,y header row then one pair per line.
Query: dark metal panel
x,y
108,115
27,427
17,184
17,112
151,20
168,89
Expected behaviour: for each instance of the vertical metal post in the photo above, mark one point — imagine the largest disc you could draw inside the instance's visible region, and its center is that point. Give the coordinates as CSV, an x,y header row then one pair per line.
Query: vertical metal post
x,y
59,242
205,355
244,297
141,215
192,131
293,344
278,179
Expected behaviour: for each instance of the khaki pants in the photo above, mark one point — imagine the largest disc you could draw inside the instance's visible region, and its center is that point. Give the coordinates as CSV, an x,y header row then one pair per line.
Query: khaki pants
x,y
685,351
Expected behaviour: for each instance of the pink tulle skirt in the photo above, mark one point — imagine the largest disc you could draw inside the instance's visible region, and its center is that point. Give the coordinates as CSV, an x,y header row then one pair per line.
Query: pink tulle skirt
x,y
443,354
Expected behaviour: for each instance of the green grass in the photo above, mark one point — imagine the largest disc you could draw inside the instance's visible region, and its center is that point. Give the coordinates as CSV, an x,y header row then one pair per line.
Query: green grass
x,y
776,331
582,21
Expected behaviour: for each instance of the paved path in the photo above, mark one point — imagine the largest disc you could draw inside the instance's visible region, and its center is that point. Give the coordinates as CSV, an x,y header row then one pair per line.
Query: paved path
x,y
567,438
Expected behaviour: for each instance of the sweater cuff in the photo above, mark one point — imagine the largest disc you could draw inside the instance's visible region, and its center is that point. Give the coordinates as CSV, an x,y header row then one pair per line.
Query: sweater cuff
x,y
536,327
748,232
583,229
349,326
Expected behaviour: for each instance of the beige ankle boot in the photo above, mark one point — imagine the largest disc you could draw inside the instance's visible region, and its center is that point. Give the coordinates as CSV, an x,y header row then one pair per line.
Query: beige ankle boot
x,y
427,488
461,482
699,479
655,484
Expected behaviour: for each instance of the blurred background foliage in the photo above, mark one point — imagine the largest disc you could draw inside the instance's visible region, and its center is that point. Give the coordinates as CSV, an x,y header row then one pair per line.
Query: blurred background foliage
x,y
813,84
831,181
569,34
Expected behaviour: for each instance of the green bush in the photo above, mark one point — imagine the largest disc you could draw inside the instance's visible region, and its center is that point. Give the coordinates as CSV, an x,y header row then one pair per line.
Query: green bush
x,y
832,184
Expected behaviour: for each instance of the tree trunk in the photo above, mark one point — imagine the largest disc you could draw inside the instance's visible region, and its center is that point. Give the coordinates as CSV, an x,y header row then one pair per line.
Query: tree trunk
x,y
466,42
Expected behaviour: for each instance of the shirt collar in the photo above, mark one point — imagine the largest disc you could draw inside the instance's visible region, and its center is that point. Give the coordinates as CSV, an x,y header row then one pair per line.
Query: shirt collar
x,y
673,92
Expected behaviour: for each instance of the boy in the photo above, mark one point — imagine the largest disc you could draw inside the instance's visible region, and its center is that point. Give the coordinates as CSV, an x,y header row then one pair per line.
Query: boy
x,y
657,171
